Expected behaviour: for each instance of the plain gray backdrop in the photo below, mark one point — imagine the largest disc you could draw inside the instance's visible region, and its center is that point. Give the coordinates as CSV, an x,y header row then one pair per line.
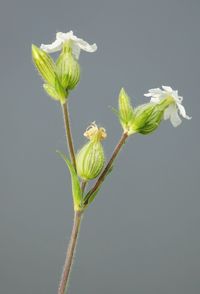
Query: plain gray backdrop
x,y
141,235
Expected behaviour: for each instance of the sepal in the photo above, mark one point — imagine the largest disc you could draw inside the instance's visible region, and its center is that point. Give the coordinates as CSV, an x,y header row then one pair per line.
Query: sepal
x,y
67,68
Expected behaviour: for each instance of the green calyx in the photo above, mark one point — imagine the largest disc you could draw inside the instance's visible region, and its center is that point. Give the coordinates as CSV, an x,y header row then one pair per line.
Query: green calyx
x,y
67,68
149,116
90,160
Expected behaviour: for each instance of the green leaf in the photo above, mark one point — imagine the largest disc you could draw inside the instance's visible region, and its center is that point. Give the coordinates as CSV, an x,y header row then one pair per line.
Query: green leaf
x,y
76,189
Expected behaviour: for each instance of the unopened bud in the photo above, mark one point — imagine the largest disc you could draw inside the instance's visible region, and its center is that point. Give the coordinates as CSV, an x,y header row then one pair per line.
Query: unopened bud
x,y
126,113
67,68
90,159
44,64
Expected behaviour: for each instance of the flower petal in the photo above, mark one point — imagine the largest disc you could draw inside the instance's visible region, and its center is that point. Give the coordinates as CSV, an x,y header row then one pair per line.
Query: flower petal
x,y
76,50
148,95
155,100
174,118
167,89
156,92
86,46
53,47
64,36
182,111
168,112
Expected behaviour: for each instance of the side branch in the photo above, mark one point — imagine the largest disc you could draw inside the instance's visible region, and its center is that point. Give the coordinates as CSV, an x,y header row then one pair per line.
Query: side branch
x,y
68,133
107,167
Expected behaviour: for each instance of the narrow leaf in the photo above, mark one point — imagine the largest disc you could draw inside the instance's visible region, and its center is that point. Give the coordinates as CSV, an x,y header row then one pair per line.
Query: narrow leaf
x,y
76,189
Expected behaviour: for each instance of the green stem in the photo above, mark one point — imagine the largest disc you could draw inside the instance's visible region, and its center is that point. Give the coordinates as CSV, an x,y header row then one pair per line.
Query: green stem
x,y
68,133
70,252
83,186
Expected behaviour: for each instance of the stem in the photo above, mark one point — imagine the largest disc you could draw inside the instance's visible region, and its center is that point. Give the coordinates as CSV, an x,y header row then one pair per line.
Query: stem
x,y
70,252
83,185
108,166
68,133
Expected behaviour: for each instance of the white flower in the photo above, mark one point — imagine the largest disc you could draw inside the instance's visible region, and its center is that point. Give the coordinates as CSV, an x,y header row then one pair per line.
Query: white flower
x,y
174,109
77,44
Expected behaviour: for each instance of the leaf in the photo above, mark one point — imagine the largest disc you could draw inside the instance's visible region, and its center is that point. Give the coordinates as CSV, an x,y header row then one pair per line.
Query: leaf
x,y
76,189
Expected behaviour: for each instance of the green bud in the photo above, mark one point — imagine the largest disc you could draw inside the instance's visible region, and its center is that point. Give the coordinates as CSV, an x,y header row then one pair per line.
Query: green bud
x,y
44,64
126,113
67,68
90,159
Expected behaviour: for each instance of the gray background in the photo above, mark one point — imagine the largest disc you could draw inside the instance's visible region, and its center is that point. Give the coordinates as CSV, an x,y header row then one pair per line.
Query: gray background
x,y
142,233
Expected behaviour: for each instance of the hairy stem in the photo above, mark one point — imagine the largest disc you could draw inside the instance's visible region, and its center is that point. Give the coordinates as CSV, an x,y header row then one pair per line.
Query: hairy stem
x,y
68,133
107,167
70,252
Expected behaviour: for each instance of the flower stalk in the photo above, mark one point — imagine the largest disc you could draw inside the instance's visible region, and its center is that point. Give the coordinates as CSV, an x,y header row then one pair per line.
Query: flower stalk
x,y
68,133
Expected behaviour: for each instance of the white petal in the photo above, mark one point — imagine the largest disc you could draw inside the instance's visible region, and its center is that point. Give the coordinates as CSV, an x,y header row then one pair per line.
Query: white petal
x,y
155,100
175,119
154,93
86,47
76,50
53,47
167,88
169,111
148,95
182,111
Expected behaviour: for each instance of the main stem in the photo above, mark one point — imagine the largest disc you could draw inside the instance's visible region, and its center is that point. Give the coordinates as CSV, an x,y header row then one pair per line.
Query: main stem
x,y
70,252
68,133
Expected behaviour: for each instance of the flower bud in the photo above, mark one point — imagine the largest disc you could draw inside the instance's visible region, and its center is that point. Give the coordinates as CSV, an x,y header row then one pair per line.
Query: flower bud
x,y
44,64
90,159
126,113
67,68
